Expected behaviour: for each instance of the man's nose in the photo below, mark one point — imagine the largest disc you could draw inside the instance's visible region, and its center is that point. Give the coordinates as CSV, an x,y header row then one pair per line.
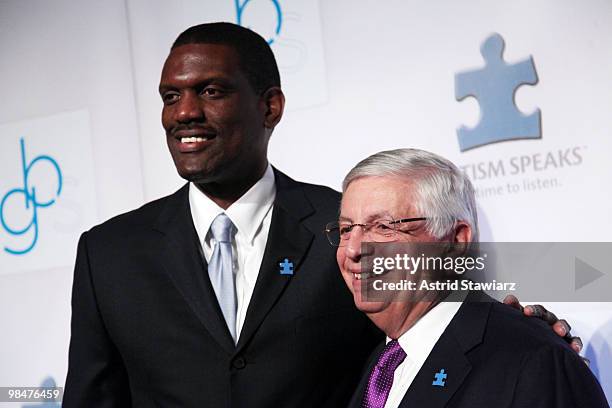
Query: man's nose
x,y
189,108
353,244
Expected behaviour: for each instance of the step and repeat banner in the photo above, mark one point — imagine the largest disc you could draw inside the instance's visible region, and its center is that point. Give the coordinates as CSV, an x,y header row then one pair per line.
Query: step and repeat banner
x,y
516,93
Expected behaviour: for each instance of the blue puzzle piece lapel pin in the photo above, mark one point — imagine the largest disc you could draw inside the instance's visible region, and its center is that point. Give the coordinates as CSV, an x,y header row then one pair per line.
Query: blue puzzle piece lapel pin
x,y
439,378
286,267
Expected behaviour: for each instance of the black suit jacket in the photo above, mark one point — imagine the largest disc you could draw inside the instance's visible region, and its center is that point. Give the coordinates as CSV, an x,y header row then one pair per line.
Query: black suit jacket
x,y
496,357
147,330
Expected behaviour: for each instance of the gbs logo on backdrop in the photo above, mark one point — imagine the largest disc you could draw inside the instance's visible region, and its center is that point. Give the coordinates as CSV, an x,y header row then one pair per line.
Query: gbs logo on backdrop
x,y
241,5
19,208
293,30
494,86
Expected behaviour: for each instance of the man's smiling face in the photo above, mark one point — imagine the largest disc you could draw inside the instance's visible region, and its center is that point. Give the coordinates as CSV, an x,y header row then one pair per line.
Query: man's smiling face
x,y
214,119
365,200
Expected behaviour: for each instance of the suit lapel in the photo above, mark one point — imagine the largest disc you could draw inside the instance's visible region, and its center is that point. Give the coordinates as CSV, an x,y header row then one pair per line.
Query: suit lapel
x,y
288,238
182,259
447,355
363,383
465,332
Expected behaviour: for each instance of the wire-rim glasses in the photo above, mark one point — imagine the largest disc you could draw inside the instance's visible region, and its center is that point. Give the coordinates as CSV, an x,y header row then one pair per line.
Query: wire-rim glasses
x,y
381,230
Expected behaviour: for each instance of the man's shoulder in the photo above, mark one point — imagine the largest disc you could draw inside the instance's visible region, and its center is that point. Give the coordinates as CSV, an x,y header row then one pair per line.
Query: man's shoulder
x,y
138,219
543,367
509,331
316,190
320,195
536,363
322,198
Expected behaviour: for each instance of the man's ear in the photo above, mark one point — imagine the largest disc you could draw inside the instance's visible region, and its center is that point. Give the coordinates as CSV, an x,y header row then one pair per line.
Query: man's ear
x,y
459,238
274,105
463,232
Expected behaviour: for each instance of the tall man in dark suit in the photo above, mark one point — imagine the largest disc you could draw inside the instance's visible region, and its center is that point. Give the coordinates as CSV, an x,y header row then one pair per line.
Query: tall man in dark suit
x,y
225,293
471,352
157,321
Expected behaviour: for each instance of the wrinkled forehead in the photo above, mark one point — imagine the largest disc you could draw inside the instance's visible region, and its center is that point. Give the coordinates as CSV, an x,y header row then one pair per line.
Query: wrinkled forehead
x,y
370,198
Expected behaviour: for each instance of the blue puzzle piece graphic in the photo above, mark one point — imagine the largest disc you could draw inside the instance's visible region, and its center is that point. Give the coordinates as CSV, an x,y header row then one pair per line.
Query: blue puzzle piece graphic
x,y
439,378
494,87
48,382
286,267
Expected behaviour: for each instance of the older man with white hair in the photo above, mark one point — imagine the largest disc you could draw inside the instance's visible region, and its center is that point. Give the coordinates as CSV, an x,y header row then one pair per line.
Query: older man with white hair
x,y
474,352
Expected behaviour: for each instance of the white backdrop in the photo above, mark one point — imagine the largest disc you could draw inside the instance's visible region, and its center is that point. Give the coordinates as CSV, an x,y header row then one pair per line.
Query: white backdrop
x,y
80,83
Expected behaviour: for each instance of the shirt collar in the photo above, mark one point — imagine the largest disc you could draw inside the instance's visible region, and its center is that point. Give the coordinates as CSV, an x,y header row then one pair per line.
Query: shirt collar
x,y
420,339
247,213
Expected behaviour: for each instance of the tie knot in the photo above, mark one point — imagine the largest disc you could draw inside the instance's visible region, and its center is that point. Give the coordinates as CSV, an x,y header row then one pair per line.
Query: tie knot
x,y
392,356
221,228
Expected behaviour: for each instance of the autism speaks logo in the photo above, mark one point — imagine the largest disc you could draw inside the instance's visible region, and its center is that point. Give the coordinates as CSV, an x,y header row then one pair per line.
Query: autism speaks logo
x,y
494,87
277,24
26,199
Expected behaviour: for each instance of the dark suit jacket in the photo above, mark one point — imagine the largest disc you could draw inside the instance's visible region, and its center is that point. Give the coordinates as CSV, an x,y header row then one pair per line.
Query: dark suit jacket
x,y
147,330
495,357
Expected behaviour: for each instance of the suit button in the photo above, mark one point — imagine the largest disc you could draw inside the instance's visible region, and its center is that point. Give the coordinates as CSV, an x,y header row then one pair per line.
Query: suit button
x,y
239,363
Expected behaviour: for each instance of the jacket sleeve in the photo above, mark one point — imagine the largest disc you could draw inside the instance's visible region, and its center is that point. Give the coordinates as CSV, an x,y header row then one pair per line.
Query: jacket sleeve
x,y
555,377
96,374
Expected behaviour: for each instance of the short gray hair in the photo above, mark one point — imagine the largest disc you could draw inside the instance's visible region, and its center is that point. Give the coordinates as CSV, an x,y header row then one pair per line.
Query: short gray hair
x,y
444,193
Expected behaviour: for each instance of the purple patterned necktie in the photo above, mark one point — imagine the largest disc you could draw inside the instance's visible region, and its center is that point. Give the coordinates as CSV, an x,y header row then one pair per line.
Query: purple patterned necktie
x,y
381,377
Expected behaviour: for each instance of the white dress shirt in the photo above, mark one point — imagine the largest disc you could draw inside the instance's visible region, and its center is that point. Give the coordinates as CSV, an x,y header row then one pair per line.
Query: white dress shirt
x,y
251,215
417,343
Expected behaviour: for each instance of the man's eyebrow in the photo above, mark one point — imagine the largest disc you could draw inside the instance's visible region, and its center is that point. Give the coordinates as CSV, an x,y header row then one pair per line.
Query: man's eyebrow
x,y
377,216
224,82
162,88
213,78
369,218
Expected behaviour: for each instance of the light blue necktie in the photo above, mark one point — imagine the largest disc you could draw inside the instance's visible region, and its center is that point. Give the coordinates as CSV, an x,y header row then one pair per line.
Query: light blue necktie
x,y
221,271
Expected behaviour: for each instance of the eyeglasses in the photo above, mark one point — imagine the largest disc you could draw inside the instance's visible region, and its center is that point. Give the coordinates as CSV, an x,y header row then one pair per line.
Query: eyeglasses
x,y
382,230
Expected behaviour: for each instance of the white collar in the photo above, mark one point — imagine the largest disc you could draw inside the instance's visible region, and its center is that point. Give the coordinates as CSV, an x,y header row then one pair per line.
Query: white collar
x,y
246,213
420,339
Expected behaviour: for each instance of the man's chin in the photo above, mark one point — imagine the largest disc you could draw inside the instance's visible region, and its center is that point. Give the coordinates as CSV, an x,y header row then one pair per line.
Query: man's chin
x,y
197,175
196,168
367,307
195,178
